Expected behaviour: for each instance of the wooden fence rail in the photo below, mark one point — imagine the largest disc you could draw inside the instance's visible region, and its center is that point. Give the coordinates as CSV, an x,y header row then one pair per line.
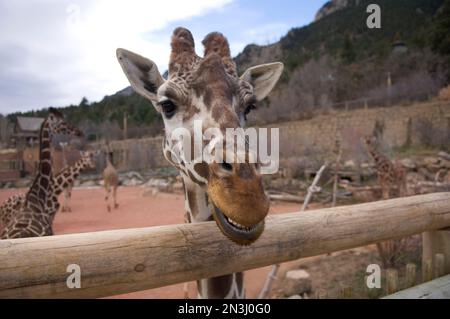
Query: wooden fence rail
x,y
123,261
436,289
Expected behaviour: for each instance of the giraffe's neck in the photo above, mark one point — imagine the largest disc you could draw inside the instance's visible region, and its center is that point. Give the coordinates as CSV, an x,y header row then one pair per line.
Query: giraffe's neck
x,y
66,177
64,158
41,189
108,160
379,159
229,286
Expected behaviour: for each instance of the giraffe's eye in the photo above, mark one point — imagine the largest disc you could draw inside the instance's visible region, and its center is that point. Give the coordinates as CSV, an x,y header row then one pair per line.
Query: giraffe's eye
x,y
248,109
168,108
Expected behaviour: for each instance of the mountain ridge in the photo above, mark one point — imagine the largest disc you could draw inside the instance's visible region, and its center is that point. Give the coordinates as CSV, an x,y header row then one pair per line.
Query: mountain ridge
x,y
333,59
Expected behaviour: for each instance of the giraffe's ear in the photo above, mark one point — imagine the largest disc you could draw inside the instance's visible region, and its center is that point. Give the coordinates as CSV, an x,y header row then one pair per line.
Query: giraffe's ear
x,y
142,73
263,78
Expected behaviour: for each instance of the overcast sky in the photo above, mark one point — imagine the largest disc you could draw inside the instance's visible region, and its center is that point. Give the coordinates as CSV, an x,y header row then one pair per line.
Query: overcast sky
x,y
54,52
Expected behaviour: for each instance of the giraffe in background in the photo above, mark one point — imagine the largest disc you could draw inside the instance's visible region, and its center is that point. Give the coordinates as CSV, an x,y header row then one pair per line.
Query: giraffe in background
x,y
111,180
64,178
68,190
209,89
389,174
34,218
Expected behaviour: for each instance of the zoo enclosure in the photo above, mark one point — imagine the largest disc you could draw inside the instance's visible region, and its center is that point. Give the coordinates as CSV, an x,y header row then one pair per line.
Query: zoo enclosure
x,y
124,261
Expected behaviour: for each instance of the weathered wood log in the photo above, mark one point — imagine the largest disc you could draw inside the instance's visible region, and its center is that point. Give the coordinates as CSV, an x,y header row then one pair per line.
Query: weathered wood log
x,y
435,289
123,261
286,198
410,275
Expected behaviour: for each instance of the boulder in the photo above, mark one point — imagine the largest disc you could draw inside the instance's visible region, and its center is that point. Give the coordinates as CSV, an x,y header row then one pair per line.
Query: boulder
x,y
408,163
161,185
132,182
297,282
7,185
430,161
134,175
350,164
22,183
89,184
157,182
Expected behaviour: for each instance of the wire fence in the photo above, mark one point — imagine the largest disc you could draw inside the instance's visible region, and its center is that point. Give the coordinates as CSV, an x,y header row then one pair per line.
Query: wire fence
x,y
385,101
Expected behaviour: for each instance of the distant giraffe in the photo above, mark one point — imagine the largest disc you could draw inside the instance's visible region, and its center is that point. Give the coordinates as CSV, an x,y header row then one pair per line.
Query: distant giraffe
x,y
34,218
111,181
65,177
389,174
68,190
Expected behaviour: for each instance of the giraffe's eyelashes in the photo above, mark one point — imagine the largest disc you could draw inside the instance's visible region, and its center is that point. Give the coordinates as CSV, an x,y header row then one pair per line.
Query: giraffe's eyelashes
x,y
168,108
248,109
227,167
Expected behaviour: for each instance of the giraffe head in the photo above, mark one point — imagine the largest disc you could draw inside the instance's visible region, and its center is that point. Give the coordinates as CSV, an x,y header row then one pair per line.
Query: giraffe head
x,y
58,125
87,159
209,91
369,141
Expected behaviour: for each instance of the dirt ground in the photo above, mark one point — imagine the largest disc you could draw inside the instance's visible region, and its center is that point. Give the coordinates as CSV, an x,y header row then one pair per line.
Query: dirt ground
x,y
137,210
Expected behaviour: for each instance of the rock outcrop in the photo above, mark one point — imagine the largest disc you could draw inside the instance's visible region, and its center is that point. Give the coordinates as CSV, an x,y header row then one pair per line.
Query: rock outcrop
x,y
330,7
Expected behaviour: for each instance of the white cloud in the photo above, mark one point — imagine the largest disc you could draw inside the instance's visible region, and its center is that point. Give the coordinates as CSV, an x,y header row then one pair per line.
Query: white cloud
x,y
69,46
267,33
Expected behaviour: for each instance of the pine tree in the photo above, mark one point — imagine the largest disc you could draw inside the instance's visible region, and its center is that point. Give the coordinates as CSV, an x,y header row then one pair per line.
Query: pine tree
x,y
84,102
348,54
440,34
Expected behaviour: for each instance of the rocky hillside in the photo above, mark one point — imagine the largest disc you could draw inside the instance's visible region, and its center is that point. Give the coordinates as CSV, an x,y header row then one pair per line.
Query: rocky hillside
x,y
334,60
338,58
331,7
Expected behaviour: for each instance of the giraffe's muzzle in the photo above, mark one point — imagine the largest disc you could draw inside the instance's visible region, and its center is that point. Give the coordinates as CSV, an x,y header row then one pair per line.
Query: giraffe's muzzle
x,y
240,234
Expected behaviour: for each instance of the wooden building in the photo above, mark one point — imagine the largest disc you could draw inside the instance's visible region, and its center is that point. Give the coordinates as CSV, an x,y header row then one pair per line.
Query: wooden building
x,y
26,131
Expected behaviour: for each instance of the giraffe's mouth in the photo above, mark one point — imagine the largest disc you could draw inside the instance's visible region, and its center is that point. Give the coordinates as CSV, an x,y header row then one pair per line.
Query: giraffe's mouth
x,y
240,234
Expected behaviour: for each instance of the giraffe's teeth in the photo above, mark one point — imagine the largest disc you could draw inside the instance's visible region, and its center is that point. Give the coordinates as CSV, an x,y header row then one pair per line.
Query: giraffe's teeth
x,y
238,225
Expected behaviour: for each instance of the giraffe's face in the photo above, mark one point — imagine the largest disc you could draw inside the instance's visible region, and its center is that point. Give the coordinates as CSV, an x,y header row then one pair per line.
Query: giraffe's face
x,y
59,126
369,141
207,92
88,159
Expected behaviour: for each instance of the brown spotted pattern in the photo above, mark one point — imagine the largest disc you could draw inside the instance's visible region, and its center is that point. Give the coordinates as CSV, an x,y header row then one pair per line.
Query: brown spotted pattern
x,y
34,218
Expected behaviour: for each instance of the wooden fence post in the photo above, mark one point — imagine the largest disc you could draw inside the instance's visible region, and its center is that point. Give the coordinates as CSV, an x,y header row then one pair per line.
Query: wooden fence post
x,y
439,265
410,275
346,293
427,270
321,294
436,242
273,272
392,281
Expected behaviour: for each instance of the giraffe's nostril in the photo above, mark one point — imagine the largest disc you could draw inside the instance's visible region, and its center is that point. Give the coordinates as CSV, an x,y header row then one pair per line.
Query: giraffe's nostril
x,y
227,166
